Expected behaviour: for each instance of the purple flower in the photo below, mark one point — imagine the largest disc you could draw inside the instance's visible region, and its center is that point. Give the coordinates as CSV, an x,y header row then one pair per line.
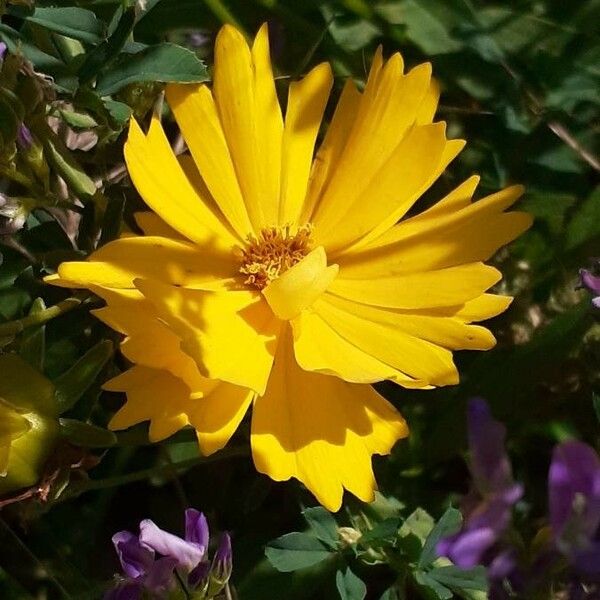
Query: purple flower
x,y
3,49
592,283
147,575
24,137
144,572
188,552
488,506
574,498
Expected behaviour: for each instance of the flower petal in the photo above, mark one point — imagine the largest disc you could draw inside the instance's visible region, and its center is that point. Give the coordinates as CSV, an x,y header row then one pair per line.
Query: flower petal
x,y
231,335
187,554
234,94
306,104
387,110
217,415
336,138
152,395
378,332
149,341
151,224
298,287
327,445
192,105
161,182
135,558
318,347
445,287
432,241
196,528
118,263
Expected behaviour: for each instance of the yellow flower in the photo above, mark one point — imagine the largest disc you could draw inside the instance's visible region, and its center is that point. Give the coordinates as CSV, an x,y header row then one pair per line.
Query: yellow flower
x,y
267,277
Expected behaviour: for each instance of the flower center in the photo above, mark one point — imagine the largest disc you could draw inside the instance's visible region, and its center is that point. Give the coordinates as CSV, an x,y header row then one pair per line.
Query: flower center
x,y
273,252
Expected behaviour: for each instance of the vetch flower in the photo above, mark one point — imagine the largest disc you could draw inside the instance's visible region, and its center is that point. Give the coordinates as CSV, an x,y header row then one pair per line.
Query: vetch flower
x,y
293,281
150,561
574,498
488,507
591,282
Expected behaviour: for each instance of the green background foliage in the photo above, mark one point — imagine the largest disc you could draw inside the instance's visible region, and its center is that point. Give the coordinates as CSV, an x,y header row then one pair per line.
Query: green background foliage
x,y
519,82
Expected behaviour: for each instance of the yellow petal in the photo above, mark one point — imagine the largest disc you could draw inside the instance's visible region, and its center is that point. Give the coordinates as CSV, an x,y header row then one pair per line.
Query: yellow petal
x,y
377,332
158,177
320,348
118,263
416,162
218,414
234,93
269,124
151,224
149,341
322,431
231,335
444,287
334,143
306,104
384,118
429,104
484,307
297,288
194,105
429,242
152,395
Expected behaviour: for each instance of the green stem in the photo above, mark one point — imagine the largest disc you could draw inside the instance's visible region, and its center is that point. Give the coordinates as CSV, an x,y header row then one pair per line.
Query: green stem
x,y
100,484
14,327
224,14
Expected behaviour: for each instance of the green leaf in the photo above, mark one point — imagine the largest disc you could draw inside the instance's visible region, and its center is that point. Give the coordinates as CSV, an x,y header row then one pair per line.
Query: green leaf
x,y
77,119
70,386
86,435
436,590
103,54
33,340
24,387
386,530
390,594
70,171
349,585
449,524
585,224
77,23
163,63
295,551
428,26
461,579
419,523
323,524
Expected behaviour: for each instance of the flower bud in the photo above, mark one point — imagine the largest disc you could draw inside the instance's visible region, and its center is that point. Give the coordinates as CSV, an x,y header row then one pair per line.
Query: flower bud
x,y
26,441
13,213
33,153
222,566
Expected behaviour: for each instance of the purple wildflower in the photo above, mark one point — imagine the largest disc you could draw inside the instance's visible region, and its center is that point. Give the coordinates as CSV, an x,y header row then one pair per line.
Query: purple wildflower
x,y
592,283
574,498
24,137
487,508
144,572
3,49
147,575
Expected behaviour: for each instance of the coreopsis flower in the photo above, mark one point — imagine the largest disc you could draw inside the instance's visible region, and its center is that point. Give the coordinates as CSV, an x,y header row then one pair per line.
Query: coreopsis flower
x,y
265,277
488,507
151,559
574,498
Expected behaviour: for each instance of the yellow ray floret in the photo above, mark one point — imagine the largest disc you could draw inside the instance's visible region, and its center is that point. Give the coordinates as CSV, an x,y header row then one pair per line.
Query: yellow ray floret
x,y
265,276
